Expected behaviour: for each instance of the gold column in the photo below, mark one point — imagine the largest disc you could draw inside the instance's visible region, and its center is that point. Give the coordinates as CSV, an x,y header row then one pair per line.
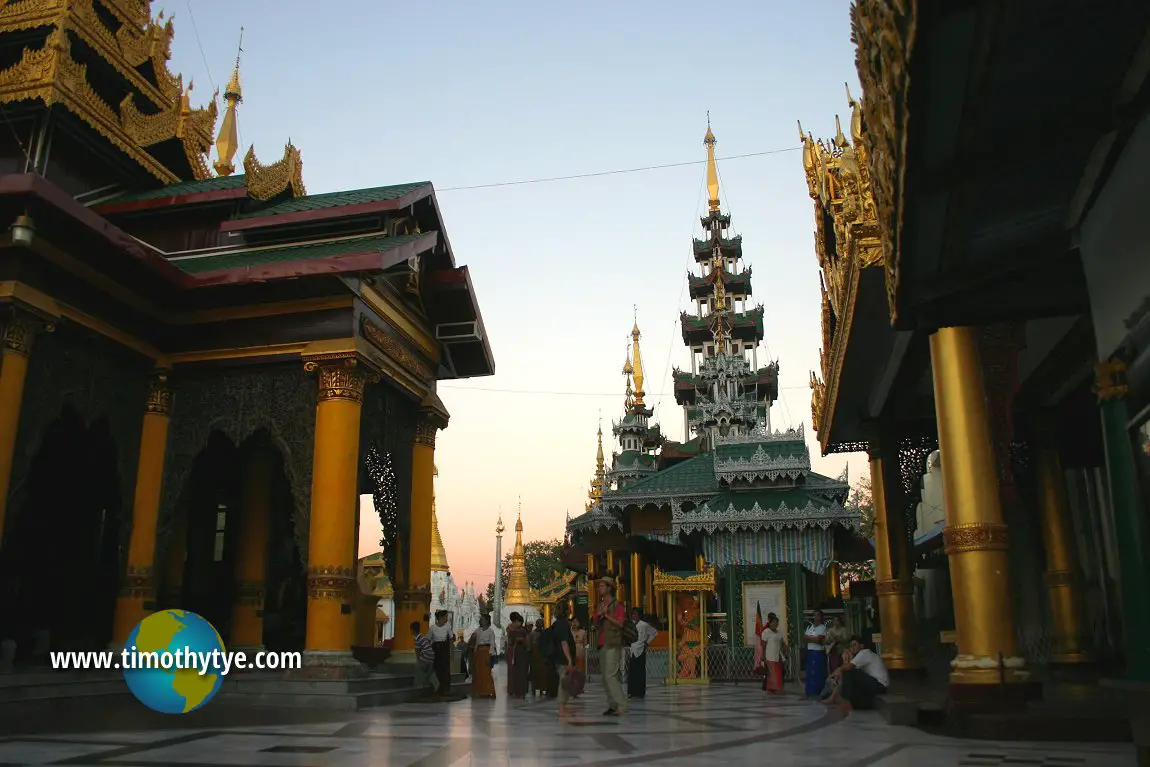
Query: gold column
x,y
1063,576
334,497
546,615
636,580
892,555
251,569
414,600
138,589
672,640
611,564
592,589
651,605
15,348
834,589
975,537
700,563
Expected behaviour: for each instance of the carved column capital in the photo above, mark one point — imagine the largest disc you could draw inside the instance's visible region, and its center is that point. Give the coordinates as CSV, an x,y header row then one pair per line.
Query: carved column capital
x,y
139,582
330,582
341,378
19,331
159,394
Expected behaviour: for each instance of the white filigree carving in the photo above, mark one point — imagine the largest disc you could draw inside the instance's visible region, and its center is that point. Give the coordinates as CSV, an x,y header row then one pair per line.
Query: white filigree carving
x,y
709,519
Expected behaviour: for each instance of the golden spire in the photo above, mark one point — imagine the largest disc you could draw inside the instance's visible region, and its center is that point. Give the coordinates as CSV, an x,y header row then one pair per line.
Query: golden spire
x,y
518,588
628,369
438,553
637,362
712,169
228,141
599,480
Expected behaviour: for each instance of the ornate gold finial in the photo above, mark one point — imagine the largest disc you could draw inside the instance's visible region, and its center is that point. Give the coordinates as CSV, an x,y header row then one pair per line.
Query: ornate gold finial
x,y
599,481
518,587
499,528
712,170
228,142
628,369
637,362
438,552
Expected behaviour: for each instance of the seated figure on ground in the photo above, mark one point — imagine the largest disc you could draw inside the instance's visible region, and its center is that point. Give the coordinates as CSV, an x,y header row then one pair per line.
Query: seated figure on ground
x,y
861,678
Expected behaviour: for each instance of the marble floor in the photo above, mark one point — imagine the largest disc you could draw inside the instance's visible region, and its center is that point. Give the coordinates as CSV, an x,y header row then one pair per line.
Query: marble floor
x,y
672,726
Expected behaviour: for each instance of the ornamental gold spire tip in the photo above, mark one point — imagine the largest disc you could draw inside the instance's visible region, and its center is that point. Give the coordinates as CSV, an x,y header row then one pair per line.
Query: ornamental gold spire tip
x,y
712,169
227,142
637,362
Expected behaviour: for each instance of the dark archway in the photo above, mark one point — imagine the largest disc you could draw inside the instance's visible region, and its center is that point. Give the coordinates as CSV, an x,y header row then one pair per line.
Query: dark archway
x,y
211,498
61,558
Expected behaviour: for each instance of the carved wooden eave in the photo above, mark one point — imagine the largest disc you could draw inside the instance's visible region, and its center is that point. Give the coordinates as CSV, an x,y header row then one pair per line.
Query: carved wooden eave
x,y
51,75
705,580
884,34
839,181
126,50
266,182
192,127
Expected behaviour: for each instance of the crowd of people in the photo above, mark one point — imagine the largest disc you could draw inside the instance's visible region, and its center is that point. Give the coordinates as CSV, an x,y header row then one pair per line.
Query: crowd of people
x,y
551,661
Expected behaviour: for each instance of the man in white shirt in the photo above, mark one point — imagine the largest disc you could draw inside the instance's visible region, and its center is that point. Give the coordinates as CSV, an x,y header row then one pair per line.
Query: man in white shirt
x,y
440,633
861,679
637,667
816,662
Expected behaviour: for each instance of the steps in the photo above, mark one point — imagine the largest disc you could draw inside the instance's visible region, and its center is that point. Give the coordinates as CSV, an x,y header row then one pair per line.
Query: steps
x,y
34,690
273,690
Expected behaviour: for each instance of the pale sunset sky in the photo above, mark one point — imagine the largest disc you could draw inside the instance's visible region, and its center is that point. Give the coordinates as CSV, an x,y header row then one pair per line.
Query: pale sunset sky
x,y
376,92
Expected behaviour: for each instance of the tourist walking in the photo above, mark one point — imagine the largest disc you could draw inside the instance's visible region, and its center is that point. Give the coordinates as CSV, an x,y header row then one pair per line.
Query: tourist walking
x,y
838,642
517,655
637,666
563,662
816,662
609,628
481,643
441,645
773,644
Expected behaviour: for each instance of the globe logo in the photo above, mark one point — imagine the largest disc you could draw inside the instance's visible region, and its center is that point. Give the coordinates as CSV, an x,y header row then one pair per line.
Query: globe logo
x,y
173,661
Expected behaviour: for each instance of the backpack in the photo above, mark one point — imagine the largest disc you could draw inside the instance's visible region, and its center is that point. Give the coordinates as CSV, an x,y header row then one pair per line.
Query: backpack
x,y
630,632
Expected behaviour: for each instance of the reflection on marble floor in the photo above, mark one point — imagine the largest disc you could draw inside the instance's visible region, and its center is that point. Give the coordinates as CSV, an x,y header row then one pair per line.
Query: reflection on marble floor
x,y
677,725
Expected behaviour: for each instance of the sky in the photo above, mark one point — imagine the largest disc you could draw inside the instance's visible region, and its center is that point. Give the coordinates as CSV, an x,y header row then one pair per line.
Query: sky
x,y
461,94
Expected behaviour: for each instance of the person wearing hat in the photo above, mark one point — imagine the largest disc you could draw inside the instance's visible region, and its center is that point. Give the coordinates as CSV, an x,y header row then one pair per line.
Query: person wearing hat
x,y
609,619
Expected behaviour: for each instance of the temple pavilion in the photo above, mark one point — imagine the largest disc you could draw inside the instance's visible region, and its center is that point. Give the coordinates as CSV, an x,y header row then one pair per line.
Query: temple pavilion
x,y
735,507
986,322
217,362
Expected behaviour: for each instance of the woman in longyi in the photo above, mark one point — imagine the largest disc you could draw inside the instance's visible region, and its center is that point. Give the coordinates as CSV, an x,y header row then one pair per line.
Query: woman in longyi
x,y
481,642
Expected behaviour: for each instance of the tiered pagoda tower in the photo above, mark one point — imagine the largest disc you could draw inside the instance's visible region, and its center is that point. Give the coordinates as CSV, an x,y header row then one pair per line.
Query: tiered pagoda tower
x,y
599,479
734,501
638,437
519,597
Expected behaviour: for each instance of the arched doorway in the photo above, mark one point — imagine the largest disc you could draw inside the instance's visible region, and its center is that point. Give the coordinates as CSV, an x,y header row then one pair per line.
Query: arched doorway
x,y
199,571
61,558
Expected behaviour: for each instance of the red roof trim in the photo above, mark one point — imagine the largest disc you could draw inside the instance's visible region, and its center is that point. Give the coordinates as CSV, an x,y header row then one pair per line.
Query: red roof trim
x,y
216,195
37,186
321,214
454,276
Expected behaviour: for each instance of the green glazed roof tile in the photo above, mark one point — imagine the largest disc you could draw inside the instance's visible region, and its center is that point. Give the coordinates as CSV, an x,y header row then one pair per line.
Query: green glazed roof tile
x,y
337,199
305,252
695,475
184,187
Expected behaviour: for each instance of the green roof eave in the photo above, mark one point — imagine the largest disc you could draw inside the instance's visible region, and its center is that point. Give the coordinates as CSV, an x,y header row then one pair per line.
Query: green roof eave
x,y
694,476
185,192
328,200
310,257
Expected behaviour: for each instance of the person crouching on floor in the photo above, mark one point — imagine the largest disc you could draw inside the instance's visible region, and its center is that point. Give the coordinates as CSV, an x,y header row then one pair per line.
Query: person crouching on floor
x,y
862,678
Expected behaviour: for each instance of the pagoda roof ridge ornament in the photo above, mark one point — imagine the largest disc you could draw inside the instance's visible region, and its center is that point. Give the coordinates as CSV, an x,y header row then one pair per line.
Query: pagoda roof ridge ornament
x,y
709,141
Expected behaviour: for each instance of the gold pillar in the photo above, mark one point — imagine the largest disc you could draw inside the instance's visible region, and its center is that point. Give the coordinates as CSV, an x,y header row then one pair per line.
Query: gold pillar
x,y
651,605
414,600
892,556
975,536
1063,576
15,348
672,639
636,580
334,498
611,564
833,588
546,615
700,563
592,589
251,569
138,589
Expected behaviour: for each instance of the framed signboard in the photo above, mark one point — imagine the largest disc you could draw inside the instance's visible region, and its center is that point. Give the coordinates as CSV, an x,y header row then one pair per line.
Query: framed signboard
x,y
766,597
